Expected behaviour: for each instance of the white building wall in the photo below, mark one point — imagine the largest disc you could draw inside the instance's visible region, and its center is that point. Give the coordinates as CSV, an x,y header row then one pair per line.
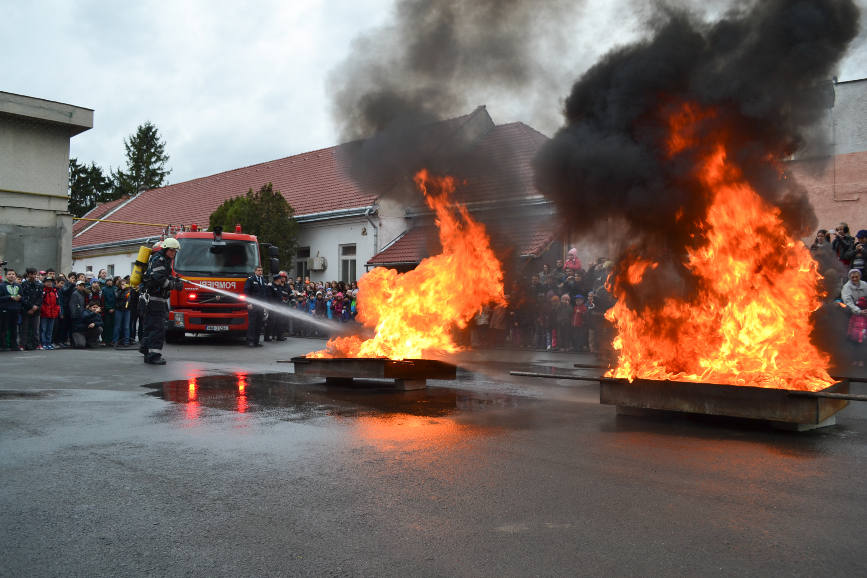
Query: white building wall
x,y
34,157
122,263
392,221
325,238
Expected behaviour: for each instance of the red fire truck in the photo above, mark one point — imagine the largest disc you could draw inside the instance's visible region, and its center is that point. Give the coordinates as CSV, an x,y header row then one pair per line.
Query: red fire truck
x,y
219,260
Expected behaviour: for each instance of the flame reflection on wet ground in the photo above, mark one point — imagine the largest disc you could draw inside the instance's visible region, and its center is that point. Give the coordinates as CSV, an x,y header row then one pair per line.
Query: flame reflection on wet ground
x,y
374,411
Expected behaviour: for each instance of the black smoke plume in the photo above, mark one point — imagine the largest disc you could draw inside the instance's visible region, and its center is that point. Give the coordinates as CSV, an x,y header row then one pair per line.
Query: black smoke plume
x,y
765,69
422,68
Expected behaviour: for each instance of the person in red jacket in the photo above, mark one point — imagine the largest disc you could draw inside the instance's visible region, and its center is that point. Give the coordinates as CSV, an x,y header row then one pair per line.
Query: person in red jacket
x,y
49,313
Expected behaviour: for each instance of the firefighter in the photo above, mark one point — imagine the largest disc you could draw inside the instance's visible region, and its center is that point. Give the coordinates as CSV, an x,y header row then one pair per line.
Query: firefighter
x,y
157,284
256,288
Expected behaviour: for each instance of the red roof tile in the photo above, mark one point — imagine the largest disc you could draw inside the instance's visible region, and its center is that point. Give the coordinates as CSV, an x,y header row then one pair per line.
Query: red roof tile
x,y
315,182
311,182
416,244
510,238
97,212
506,171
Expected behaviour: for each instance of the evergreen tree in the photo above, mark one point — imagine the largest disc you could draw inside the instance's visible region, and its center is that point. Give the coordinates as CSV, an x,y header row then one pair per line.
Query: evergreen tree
x,y
264,213
87,187
146,160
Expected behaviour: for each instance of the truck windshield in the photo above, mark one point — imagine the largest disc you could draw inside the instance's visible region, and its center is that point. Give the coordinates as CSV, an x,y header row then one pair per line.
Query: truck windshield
x,y
202,257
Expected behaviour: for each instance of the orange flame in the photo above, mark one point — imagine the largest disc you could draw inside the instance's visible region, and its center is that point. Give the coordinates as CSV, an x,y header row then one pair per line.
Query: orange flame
x,y
749,321
413,314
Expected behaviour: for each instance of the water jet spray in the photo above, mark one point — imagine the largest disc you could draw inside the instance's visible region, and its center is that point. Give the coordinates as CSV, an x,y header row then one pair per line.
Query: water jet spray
x,y
330,326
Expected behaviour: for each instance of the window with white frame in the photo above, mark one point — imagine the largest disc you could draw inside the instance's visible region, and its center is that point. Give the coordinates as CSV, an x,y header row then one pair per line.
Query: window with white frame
x,y
347,263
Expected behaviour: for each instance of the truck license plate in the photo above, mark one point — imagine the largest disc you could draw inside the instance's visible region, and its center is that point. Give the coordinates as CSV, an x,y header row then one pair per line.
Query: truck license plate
x,y
216,327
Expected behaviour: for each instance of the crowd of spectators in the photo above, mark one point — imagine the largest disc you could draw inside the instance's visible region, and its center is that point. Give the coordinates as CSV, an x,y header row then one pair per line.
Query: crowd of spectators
x,y
324,300
558,308
843,317
46,310
555,307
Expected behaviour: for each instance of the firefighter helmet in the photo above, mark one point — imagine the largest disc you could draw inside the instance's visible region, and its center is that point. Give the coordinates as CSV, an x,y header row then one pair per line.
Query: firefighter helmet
x,y
171,243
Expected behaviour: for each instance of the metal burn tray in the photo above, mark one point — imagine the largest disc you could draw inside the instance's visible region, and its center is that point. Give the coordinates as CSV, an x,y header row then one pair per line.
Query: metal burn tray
x,y
406,373
780,406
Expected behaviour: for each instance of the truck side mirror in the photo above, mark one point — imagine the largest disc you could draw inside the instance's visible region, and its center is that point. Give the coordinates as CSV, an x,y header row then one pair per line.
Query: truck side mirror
x,y
273,265
273,251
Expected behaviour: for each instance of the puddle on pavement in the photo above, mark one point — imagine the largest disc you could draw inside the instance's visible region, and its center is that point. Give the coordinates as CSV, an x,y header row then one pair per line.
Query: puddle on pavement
x,y
295,398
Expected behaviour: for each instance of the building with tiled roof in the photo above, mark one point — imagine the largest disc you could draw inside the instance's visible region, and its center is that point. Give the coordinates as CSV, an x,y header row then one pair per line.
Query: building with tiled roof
x,y
339,220
500,194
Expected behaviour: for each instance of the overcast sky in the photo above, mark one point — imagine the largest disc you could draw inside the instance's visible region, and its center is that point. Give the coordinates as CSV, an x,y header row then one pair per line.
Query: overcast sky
x,y
229,83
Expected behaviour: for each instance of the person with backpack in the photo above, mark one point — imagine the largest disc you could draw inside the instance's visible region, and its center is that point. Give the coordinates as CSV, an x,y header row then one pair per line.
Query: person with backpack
x,y
158,281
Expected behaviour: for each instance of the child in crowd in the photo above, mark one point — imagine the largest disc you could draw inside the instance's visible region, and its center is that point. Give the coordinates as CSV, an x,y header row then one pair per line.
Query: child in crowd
x,y
350,311
95,294
108,308
120,336
50,311
337,307
89,327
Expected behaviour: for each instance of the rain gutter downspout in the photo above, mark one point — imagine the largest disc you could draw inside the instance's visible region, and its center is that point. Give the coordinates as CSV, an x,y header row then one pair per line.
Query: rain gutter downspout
x,y
367,214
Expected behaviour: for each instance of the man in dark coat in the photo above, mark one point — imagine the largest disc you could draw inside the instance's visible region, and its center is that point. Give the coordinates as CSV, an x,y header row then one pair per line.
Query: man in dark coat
x,y
158,282
31,301
77,305
10,307
255,288
844,244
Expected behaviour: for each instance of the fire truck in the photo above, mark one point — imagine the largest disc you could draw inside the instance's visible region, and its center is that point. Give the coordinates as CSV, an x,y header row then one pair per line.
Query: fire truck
x,y
219,260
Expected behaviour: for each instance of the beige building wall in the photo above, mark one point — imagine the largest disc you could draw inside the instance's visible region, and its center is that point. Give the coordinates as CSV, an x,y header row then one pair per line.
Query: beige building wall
x,y
35,225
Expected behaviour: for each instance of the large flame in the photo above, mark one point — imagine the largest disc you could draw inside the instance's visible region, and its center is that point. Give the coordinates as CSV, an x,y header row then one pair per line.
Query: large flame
x,y
748,322
413,314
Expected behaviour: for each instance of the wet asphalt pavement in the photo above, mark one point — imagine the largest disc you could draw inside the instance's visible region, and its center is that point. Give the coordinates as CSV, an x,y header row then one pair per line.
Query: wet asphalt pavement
x,y
223,463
